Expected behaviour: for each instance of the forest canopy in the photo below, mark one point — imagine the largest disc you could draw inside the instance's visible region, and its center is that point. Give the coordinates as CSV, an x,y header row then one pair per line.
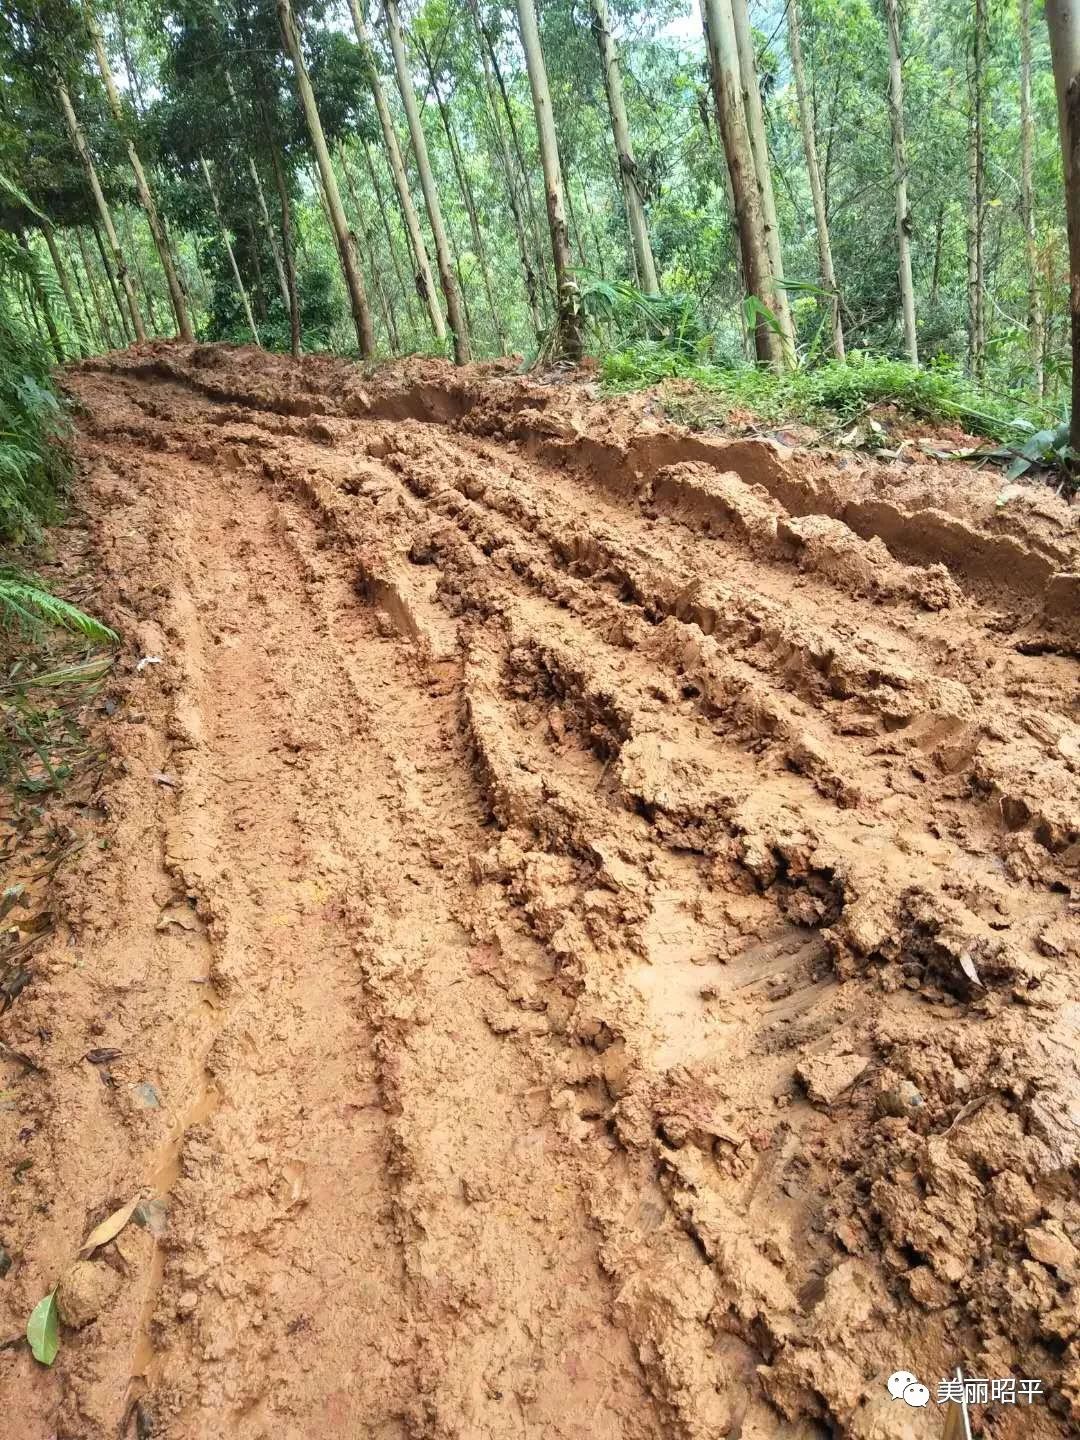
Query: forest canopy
x,y
786,183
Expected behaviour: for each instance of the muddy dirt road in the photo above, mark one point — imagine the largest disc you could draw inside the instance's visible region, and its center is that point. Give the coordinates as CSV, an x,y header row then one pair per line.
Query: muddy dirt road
x,y
588,918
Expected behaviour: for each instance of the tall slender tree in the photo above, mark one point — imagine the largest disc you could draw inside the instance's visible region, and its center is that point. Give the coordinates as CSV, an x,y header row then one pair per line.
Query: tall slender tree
x,y
78,139
1063,22
813,170
731,120
346,245
454,313
425,284
568,296
624,149
142,185
900,172
1027,200
759,147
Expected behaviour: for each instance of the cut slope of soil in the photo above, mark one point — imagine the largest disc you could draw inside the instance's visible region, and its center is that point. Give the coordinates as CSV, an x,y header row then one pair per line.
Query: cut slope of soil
x,y
587,915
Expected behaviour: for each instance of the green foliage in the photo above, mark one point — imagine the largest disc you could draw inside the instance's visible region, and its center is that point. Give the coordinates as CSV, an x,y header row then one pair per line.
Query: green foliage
x,y
828,392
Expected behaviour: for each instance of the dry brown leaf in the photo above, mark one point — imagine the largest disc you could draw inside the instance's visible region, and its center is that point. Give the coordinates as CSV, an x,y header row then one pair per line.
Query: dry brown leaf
x,y
108,1229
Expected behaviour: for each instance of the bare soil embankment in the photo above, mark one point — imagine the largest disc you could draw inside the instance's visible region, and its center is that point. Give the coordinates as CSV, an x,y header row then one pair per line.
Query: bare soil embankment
x,y
587,918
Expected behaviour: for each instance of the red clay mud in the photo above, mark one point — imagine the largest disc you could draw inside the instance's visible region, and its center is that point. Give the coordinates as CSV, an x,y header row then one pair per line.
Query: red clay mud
x,y
602,960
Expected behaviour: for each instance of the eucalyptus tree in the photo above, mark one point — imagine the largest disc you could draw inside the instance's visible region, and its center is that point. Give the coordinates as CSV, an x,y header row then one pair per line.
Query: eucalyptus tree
x,y
813,170
1063,22
346,244
568,300
454,310
900,171
158,230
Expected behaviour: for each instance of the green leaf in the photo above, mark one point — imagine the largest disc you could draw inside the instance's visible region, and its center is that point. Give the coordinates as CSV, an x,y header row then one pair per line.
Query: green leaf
x,y
43,1329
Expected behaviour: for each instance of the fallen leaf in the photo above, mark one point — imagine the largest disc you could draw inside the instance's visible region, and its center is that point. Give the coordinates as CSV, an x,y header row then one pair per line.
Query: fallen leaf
x,y
43,1330
968,967
108,1229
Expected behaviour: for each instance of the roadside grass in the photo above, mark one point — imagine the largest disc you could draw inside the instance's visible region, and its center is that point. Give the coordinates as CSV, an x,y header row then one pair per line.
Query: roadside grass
x,y
701,393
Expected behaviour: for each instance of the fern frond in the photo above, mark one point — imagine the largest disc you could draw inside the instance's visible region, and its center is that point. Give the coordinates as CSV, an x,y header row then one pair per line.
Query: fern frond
x,y
26,605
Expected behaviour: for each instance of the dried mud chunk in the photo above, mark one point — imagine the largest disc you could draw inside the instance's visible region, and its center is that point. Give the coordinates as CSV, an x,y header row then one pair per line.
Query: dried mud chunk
x,y
86,1289
826,1078
819,1382
1051,1246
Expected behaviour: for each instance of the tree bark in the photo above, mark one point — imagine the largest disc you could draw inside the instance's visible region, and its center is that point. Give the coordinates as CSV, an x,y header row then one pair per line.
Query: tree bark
x,y
408,292
287,246
385,304
350,268
424,282
465,186
126,331
78,323
78,139
821,219
241,289
731,120
523,169
142,187
1027,200
264,212
1063,22
903,215
976,205
527,263
130,248
759,147
454,314
95,294
624,150
568,309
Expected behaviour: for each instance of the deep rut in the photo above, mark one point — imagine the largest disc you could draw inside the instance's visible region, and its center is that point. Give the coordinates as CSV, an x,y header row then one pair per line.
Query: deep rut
x,y
589,939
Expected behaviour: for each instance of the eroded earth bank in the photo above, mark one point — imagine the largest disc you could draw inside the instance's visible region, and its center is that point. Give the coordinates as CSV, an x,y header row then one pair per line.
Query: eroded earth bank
x,y
581,922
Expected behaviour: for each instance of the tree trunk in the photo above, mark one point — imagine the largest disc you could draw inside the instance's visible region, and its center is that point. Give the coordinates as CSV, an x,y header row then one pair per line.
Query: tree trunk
x,y
759,147
389,319
350,268
408,292
624,150
465,186
241,288
142,187
1063,22
1027,199
939,240
287,246
78,139
903,215
95,294
126,331
731,120
523,169
260,196
41,299
131,248
424,282
821,219
78,323
527,265
568,310
455,317
976,205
